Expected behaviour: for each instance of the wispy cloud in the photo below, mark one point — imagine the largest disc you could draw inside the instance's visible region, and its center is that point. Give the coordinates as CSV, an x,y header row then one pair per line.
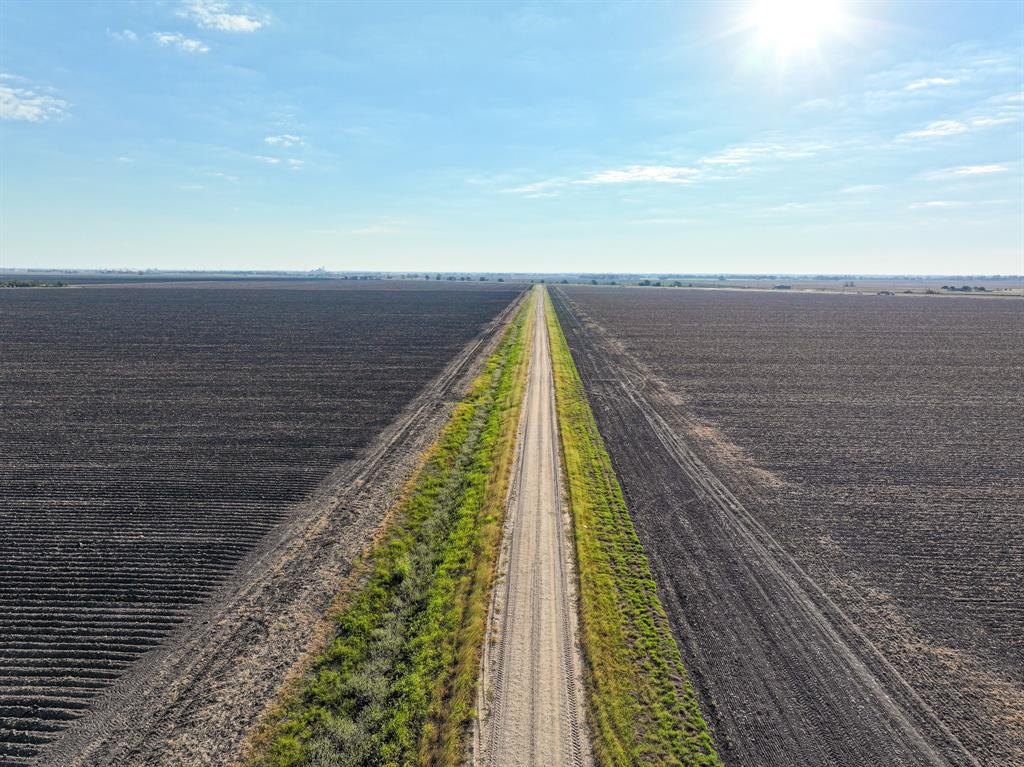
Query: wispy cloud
x,y
988,122
968,171
267,160
24,103
710,167
748,153
632,174
296,164
213,14
940,128
546,188
124,35
933,204
179,41
930,82
860,188
284,140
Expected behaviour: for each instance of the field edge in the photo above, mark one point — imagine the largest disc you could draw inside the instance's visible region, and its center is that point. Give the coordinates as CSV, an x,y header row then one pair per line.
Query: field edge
x,y
460,488
641,707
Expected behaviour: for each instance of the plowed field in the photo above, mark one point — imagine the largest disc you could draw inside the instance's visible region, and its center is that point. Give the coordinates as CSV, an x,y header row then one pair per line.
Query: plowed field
x,y
831,493
151,437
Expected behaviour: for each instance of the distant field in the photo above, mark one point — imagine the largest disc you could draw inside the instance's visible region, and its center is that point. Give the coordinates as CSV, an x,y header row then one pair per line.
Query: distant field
x,y
831,493
152,436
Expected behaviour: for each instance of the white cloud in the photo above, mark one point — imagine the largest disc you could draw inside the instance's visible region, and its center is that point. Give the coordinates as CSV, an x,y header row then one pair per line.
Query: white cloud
x,y
954,127
860,188
296,164
735,156
968,170
938,128
733,159
182,43
124,35
988,122
18,103
660,174
743,155
932,204
930,82
539,188
267,160
213,14
285,140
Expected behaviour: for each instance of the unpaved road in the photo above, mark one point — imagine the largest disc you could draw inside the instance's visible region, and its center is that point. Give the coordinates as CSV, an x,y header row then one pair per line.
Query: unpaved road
x,y
531,694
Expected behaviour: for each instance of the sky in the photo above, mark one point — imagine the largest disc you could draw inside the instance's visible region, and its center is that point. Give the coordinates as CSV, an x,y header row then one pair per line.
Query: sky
x,y
738,137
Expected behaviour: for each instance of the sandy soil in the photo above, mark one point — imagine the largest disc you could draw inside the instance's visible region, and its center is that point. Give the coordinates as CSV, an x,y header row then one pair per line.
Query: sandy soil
x,y
531,692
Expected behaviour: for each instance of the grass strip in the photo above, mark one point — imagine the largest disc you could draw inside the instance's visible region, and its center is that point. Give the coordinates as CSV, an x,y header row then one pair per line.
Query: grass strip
x,y
641,708
397,683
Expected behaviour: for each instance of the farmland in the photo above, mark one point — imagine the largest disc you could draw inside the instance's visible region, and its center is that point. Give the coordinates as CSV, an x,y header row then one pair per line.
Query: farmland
x,y
163,449
829,490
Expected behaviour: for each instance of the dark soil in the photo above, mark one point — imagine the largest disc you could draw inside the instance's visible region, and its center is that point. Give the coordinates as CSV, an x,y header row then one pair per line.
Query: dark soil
x,y
162,452
831,492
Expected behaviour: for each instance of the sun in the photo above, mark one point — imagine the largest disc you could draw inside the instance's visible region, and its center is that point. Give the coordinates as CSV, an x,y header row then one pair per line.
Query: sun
x,y
792,26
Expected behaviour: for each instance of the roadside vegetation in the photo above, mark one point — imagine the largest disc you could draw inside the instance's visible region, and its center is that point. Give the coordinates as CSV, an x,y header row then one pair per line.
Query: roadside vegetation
x,y
397,683
641,708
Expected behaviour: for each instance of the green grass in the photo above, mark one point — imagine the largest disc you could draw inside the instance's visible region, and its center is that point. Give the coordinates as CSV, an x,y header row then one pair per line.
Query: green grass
x,y
641,708
397,683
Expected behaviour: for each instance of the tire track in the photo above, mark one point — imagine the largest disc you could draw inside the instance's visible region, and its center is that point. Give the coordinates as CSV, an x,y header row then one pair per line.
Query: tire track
x,y
785,677
531,694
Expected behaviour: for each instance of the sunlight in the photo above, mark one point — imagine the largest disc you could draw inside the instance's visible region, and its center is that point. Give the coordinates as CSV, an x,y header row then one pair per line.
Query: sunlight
x,y
790,26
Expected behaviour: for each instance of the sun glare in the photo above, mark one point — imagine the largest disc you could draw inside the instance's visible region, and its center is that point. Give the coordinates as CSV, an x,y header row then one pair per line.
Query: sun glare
x,y
791,26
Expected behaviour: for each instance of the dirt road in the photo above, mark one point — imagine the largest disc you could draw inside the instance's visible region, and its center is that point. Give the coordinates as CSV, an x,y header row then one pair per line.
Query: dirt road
x,y
531,695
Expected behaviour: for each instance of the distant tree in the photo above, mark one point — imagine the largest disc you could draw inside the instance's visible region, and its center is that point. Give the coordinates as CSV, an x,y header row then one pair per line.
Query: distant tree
x,y
483,279
565,281
593,282
645,282
501,279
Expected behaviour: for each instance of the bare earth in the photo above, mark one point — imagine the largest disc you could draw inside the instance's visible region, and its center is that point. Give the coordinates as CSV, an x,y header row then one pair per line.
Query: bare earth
x,y
531,706
193,701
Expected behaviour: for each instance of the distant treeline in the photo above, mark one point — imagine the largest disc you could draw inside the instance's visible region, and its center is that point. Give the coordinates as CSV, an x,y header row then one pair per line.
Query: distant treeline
x,y
31,284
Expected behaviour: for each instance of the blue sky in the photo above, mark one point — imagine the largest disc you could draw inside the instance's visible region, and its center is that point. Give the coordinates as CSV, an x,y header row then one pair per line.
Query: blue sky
x,y
691,137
